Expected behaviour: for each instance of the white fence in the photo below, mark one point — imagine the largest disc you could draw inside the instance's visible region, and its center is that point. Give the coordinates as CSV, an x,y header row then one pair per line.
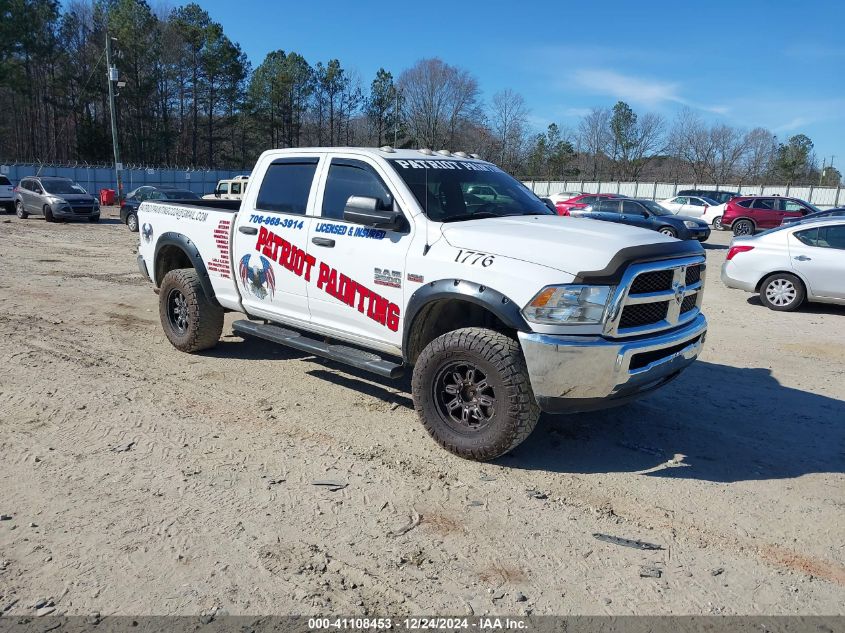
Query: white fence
x,y
820,196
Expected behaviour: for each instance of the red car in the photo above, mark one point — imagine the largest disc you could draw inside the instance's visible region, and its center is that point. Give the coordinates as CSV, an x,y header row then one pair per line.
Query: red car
x,y
566,207
747,215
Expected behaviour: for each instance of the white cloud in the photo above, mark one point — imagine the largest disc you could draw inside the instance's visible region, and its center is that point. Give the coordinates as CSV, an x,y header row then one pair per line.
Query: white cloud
x,y
640,90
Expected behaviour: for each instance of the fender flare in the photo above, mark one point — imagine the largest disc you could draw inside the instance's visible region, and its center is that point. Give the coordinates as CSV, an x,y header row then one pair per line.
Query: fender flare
x,y
184,243
494,301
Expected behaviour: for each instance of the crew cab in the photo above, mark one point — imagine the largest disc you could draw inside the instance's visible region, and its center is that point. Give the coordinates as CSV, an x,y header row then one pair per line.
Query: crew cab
x,y
386,260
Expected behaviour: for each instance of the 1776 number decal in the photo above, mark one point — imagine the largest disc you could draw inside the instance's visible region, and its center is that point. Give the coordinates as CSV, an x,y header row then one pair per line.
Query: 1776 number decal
x,y
474,257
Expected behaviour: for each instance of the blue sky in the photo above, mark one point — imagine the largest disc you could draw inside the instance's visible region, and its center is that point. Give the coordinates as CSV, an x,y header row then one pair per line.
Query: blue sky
x,y
775,64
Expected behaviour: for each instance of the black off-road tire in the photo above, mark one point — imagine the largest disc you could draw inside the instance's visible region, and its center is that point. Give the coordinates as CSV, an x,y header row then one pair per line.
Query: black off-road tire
x,y
94,219
203,318
499,360
782,292
23,215
48,214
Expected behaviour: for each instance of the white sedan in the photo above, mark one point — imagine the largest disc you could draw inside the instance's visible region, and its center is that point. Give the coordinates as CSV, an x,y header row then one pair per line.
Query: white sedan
x,y
788,264
691,206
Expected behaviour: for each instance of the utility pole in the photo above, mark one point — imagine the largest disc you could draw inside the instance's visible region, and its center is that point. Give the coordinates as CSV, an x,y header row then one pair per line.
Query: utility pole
x,y
111,72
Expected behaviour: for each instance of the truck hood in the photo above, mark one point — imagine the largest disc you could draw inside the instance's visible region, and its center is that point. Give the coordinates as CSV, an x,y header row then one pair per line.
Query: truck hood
x,y
563,243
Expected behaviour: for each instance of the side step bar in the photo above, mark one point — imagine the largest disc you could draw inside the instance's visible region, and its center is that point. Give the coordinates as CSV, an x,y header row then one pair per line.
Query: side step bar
x,y
340,353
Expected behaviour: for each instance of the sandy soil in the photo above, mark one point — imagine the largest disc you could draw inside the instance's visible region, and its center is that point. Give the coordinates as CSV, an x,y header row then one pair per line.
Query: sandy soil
x,y
140,480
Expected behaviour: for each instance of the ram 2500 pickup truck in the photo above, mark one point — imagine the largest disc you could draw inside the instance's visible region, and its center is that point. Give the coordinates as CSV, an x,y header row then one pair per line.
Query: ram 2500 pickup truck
x,y
390,260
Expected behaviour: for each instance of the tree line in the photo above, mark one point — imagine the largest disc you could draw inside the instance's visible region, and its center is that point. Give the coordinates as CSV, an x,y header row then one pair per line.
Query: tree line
x,y
190,97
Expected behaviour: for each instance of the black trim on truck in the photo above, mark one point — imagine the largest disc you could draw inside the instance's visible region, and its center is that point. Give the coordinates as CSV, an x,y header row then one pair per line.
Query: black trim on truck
x,y
190,249
612,273
494,301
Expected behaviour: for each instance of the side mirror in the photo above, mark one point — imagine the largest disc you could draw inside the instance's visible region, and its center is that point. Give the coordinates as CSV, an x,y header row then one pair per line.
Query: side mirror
x,y
368,211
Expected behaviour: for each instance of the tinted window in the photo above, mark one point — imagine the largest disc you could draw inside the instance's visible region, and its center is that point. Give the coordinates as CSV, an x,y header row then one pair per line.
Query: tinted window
x,y
696,202
180,194
744,203
629,206
765,204
808,237
681,200
223,187
587,200
606,206
26,184
285,187
5,181
351,178
832,237
236,187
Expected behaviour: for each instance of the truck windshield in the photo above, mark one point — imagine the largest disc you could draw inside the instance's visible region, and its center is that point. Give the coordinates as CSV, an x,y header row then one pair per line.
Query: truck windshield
x,y
454,190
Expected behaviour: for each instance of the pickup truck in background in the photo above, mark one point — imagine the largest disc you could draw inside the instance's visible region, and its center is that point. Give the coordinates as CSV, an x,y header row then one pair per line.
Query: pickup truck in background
x,y
229,189
436,263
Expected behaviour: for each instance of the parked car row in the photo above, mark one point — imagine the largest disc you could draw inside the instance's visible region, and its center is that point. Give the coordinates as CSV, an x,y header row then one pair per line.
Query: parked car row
x,y
129,206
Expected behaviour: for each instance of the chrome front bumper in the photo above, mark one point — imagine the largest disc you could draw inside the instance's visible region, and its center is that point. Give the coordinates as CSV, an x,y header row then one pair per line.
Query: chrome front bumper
x,y
580,373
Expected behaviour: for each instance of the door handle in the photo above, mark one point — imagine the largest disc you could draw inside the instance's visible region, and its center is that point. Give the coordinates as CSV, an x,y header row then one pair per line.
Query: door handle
x,y
323,241
803,258
248,230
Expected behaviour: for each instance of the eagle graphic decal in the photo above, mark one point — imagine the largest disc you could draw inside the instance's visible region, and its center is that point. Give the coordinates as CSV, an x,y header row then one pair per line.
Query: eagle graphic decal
x,y
147,232
258,280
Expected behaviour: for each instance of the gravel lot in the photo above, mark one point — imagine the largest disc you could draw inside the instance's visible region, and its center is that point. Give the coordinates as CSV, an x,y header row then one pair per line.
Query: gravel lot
x,y
135,479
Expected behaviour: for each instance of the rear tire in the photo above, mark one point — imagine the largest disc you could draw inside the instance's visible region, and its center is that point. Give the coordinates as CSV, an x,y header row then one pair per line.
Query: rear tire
x,y
472,393
782,292
743,227
132,222
48,214
23,215
717,224
191,321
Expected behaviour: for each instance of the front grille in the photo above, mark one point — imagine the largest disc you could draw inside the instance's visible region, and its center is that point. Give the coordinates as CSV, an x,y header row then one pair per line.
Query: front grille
x,y
643,314
654,281
655,296
643,359
689,302
693,275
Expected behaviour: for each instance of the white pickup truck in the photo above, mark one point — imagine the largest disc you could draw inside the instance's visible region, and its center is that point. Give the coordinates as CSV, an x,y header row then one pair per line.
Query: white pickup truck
x,y
386,260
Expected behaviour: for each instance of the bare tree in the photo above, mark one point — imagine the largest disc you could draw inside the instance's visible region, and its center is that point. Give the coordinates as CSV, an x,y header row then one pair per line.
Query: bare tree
x,y
508,118
762,149
436,100
594,138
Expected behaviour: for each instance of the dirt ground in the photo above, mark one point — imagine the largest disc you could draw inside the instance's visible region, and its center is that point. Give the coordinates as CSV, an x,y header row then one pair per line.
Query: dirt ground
x,y
135,479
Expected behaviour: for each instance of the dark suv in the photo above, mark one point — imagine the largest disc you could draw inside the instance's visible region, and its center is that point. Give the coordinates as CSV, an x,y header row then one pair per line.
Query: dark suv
x,y
648,215
55,199
719,196
746,216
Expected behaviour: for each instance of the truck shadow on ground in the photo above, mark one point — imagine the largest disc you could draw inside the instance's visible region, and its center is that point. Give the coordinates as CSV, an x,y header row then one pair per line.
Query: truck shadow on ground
x,y
714,423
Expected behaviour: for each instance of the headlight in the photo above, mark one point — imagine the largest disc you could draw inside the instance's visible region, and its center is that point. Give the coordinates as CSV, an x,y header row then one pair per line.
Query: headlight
x,y
690,224
56,200
568,305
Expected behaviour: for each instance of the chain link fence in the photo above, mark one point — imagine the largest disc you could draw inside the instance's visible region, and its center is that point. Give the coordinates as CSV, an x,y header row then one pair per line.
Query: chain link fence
x,y
96,177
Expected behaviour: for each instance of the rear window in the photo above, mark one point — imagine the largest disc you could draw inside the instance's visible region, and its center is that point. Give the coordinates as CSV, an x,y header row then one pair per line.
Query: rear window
x,y
5,181
286,186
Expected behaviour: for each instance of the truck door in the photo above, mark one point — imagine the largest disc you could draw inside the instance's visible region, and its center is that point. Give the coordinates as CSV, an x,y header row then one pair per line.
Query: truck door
x,y
359,270
270,261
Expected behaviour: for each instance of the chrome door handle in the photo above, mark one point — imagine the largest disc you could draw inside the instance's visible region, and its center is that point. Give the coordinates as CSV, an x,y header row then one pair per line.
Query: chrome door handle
x,y
248,230
803,258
